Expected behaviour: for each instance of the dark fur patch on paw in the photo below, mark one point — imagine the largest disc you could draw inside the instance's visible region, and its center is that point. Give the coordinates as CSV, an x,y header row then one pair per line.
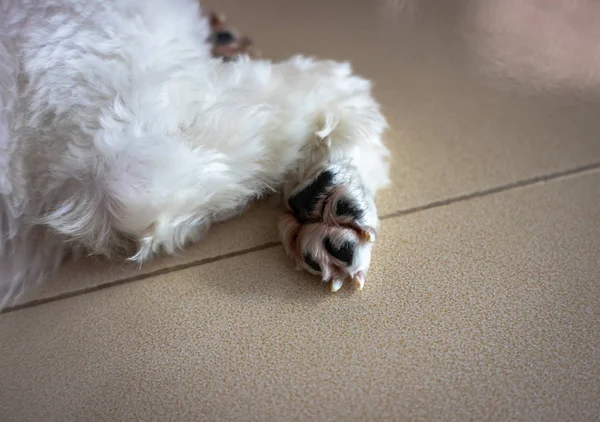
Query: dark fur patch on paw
x,y
304,202
312,263
344,253
223,38
345,207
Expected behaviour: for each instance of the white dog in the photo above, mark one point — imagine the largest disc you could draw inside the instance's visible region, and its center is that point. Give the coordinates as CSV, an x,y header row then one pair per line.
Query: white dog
x,y
117,128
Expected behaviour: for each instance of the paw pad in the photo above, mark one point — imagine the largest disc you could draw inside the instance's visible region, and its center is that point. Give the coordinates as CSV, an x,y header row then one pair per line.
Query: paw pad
x,y
343,252
345,207
304,203
312,263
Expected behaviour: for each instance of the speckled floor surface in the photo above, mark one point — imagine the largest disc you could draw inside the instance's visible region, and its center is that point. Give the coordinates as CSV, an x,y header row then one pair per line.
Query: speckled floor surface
x,y
483,302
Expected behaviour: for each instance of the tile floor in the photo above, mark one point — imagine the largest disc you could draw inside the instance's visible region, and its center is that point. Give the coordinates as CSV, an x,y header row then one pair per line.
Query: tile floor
x,y
484,298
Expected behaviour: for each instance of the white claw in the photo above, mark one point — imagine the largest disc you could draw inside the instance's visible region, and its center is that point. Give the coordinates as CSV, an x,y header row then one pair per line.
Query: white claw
x,y
336,285
359,282
370,237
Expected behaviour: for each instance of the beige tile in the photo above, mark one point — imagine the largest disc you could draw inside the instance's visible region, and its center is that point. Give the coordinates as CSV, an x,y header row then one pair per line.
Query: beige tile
x,y
452,133
486,309
256,228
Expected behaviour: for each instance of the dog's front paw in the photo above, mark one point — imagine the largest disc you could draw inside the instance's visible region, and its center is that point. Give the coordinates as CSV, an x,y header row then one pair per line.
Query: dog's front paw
x,y
331,225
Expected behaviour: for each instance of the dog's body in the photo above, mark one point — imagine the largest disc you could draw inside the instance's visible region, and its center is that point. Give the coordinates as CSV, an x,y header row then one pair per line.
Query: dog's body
x,y
116,125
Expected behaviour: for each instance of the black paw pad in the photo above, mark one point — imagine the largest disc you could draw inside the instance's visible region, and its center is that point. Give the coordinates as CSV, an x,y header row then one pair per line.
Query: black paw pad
x,y
304,202
312,263
344,253
345,207
223,38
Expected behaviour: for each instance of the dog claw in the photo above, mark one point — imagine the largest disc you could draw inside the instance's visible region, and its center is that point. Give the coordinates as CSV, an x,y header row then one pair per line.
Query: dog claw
x,y
370,237
359,281
336,285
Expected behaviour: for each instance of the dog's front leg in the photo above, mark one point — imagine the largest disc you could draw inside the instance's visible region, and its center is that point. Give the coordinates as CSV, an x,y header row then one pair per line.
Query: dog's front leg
x,y
319,130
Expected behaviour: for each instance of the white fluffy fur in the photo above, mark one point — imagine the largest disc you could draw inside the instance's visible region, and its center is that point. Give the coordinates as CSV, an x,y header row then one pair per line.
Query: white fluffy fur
x,y
116,127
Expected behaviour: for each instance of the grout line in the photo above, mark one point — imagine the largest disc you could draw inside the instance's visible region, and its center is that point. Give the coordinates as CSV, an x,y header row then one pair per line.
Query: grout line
x,y
200,262
495,190
138,277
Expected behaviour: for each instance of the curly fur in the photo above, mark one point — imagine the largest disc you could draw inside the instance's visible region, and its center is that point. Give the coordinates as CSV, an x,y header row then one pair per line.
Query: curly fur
x,y
117,127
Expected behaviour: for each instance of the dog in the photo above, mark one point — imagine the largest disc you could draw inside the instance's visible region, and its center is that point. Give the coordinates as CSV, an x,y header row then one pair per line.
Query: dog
x,y
120,133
